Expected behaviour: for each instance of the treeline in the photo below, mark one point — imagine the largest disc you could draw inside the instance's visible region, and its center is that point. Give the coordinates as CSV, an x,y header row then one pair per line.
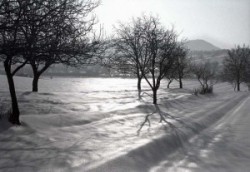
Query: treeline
x,y
41,33
94,70
146,49
236,67
44,32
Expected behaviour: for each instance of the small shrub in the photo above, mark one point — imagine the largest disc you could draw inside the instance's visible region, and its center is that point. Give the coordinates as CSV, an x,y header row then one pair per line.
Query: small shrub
x,y
203,90
196,91
209,90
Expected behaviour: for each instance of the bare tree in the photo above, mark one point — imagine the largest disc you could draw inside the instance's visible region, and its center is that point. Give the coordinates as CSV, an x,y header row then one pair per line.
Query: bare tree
x,y
235,65
247,73
114,60
11,47
181,63
43,32
205,74
149,48
180,68
161,44
171,76
131,50
58,32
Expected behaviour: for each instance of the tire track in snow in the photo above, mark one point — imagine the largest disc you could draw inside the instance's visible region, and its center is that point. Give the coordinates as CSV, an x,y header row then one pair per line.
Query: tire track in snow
x,y
147,156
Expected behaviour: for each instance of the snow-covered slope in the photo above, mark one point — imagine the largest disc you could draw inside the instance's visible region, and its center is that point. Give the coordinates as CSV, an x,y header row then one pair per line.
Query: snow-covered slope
x,y
84,124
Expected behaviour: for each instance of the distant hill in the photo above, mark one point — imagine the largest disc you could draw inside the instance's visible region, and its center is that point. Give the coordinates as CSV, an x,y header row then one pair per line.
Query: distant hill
x,y
201,45
212,56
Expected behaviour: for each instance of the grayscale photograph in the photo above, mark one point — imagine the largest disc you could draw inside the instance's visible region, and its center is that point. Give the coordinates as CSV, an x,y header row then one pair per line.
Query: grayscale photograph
x,y
124,85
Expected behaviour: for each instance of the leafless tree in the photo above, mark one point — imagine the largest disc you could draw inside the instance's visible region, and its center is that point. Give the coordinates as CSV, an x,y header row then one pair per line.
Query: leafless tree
x,y
180,68
181,63
235,65
43,32
11,46
206,75
131,49
149,48
171,76
247,73
58,32
161,44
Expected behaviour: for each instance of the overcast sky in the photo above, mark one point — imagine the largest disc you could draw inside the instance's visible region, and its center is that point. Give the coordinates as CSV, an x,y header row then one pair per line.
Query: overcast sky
x,y
223,23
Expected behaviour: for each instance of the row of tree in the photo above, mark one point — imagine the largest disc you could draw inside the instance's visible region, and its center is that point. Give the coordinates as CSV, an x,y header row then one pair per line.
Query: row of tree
x,y
42,33
148,50
236,67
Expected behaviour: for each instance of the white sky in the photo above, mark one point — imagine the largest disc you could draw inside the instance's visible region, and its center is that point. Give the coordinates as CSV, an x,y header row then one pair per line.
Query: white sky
x,y
223,23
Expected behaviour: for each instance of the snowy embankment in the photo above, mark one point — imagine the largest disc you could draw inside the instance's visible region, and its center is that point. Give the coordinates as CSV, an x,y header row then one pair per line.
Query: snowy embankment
x,y
222,147
91,124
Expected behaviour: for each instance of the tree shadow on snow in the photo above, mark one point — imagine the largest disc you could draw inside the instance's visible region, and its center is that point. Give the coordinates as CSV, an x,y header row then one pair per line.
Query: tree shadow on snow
x,y
145,157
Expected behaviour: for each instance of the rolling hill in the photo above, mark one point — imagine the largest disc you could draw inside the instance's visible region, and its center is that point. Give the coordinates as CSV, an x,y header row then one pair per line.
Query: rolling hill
x,y
201,51
200,45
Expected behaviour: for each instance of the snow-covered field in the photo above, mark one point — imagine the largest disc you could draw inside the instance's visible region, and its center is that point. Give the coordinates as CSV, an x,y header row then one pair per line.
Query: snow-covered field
x,y
91,124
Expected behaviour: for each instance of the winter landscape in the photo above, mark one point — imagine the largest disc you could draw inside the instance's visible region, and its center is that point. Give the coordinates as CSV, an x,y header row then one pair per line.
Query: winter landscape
x,y
76,125
144,95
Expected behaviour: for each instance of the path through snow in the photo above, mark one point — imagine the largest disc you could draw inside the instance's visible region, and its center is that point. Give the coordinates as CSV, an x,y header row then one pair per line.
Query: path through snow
x,y
223,147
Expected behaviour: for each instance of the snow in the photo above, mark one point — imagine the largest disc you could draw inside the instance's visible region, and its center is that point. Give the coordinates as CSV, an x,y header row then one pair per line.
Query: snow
x,y
222,147
91,124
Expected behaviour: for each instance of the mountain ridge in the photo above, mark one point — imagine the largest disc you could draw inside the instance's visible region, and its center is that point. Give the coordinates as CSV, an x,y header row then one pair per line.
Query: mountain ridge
x,y
201,45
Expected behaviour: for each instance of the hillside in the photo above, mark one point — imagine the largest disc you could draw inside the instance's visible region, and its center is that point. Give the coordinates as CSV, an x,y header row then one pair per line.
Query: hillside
x,y
212,56
200,45
201,51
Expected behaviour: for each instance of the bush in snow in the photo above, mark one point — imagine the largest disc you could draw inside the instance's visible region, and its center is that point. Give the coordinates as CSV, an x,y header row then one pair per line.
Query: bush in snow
x,y
206,75
203,90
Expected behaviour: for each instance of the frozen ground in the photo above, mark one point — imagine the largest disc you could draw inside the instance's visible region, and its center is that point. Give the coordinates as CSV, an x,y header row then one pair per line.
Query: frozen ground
x,y
223,147
91,125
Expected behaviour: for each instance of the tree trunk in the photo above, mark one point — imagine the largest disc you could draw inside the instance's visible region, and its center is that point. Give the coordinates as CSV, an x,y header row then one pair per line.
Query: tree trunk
x,y
155,96
169,82
238,86
36,75
139,87
180,82
35,82
14,116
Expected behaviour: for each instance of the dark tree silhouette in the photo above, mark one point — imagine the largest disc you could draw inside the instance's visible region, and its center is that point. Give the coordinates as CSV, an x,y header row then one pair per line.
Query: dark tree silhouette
x,y
235,65
180,67
171,76
43,32
131,49
161,46
181,64
11,47
58,32
149,48
247,73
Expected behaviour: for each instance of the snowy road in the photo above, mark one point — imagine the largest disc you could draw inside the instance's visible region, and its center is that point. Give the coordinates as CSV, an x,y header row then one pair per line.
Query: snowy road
x,y
223,147
220,145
